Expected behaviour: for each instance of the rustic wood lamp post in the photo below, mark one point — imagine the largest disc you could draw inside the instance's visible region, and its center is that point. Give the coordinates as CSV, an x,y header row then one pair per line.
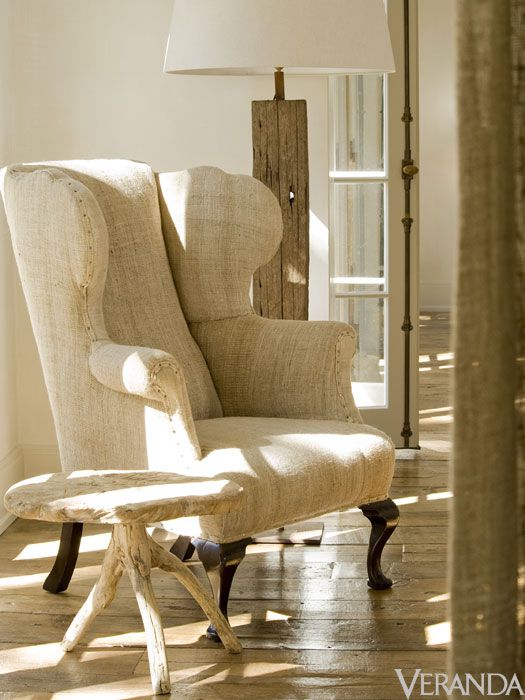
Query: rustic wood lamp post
x,y
264,37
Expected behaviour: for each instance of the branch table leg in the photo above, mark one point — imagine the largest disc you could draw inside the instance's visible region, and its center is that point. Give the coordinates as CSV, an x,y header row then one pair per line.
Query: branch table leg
x,y
168,562
100,597
136,554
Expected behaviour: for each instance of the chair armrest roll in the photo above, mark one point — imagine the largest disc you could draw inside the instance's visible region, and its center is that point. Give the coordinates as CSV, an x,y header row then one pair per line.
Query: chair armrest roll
x,y
152,374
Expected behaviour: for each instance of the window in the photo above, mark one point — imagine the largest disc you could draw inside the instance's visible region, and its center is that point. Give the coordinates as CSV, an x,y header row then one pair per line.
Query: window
x,y
358,226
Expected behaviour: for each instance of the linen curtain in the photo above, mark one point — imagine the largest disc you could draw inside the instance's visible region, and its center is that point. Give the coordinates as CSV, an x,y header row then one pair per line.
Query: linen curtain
x,y
518,68
488,503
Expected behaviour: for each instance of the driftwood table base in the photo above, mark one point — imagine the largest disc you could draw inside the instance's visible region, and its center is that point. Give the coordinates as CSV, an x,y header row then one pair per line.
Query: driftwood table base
x,y
132,550
130,500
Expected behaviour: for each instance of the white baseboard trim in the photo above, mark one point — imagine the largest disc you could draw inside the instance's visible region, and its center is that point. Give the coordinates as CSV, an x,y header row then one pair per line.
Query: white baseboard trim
x,y
5,521
435,309
11,471
40,459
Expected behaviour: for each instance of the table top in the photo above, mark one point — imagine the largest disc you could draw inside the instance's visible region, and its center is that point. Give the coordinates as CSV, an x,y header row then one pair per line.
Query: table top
x,y
114,497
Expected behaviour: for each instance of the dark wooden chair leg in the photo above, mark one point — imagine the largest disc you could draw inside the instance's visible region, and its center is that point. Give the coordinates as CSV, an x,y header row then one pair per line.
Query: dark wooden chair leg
x,y
220,562
62,571
384,516
183,548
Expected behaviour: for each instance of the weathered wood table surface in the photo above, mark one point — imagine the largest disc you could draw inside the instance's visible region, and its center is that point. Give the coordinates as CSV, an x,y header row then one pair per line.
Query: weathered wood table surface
x,y
130,500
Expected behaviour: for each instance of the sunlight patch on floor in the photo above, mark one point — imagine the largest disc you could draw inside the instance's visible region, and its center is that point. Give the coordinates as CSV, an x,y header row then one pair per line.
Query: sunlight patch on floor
x,y
81,572
44,550
27,658
274,615
444,409
334,535
436,420
406,500
439,495
442,598
264,548
438,634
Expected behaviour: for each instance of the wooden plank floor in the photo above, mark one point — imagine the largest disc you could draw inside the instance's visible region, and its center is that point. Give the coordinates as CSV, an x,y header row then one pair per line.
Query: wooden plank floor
x,y
310,626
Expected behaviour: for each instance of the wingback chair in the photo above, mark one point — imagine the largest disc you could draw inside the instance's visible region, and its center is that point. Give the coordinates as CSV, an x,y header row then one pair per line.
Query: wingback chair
x,y
138,288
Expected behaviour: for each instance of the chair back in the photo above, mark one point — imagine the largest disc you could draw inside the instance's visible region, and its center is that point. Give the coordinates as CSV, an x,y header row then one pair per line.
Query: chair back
x,y
88,242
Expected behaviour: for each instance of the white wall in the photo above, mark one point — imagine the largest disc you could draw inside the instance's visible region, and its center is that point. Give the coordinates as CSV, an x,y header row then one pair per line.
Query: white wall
x,y
11,464
439,184
87,82
90,84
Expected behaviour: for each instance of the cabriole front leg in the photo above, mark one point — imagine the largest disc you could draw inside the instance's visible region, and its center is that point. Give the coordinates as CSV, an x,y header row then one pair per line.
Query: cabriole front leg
x,y
220,562
384,516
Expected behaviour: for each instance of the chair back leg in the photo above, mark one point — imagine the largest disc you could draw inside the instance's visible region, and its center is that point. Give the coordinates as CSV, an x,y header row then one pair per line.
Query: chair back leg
x,y
182,548
62,571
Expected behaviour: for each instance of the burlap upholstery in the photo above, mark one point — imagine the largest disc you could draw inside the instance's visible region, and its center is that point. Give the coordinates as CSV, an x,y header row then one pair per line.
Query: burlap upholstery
x,y
129,385
219,229
288,369
290,467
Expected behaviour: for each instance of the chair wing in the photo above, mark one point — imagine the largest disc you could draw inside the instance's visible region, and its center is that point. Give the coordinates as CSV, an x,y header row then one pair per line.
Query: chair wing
x,y
61,245
219,229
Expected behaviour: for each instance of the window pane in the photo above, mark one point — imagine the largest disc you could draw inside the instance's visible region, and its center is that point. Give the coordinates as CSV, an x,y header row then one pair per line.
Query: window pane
x,y
358,237
357,109
367,316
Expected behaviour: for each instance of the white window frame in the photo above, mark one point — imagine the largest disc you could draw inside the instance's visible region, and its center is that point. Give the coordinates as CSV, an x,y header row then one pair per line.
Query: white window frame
x,y
361,177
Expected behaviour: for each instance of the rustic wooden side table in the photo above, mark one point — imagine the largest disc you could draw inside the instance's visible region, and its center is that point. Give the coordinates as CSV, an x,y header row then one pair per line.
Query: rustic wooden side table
x,y
130,500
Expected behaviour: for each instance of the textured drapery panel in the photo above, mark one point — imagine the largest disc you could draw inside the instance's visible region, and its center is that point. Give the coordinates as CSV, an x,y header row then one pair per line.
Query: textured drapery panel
x,y
518,61
485,522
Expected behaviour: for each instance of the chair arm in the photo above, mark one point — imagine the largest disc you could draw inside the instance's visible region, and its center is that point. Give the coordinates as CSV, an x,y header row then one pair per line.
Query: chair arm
x,y
153,375
288,369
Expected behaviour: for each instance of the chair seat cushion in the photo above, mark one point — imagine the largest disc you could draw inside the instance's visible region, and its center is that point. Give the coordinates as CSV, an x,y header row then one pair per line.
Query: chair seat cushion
x,y
291,470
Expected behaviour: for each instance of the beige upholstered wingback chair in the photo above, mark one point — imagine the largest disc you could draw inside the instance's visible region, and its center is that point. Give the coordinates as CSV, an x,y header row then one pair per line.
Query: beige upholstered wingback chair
x,y
138,290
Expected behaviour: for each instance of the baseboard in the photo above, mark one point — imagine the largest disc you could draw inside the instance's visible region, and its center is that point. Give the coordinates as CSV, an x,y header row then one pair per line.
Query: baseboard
x,y
11,471
40,459
5,521
435,309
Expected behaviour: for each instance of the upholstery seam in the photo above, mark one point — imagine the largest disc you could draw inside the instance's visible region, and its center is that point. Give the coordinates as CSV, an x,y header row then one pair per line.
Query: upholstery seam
x,y
153,372
156,387
70,184
90,258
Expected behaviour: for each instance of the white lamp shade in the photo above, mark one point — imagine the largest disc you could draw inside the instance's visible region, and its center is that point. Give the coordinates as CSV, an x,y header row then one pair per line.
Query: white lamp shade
x,y
253,37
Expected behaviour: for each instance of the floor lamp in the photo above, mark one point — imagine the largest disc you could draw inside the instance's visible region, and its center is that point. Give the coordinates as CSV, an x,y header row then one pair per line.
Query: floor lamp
x,y
265,37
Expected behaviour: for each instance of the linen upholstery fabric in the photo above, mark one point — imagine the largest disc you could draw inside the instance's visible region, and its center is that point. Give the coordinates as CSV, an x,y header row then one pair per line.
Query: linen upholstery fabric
x,y
129,387
219,229
518,69
484,603
288,468
288,369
